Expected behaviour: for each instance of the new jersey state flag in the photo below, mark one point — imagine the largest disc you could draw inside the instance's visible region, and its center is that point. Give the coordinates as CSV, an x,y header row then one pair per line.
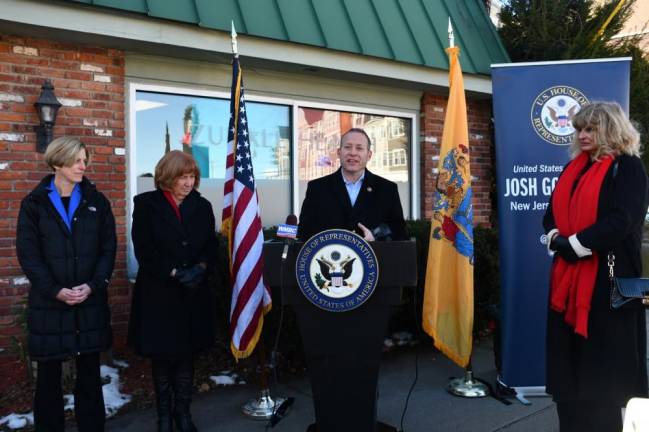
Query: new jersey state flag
x,y
448,297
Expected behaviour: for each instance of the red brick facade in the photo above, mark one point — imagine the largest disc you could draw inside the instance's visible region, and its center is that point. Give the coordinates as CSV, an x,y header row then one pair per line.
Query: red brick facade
x,y
433,110
89,82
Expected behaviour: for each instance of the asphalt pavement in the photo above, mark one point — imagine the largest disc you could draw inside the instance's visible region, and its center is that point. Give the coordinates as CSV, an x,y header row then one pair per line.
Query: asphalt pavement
x,y
430,407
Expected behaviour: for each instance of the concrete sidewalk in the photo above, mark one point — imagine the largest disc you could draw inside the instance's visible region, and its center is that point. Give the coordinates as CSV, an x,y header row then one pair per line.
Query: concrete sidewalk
x,y
430,408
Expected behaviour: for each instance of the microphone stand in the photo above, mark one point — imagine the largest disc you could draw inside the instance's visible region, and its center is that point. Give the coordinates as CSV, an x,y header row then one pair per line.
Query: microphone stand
x,y
264,407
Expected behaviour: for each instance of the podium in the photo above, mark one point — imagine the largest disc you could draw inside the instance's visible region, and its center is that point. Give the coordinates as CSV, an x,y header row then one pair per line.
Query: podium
x,y
343,349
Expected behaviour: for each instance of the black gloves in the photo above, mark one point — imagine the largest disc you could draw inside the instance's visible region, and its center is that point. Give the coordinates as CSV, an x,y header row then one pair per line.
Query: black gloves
x,y
561,245
190,277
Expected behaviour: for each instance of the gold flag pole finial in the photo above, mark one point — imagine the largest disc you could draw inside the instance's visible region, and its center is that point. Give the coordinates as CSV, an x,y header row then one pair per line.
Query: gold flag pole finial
x,y
233,33
451,38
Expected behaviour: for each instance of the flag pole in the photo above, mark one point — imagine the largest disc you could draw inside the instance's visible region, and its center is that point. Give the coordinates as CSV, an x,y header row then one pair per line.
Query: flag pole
x,y
264,407
465,386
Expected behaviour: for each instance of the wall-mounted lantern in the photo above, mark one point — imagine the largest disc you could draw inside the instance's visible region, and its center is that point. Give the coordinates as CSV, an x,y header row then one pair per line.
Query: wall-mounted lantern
x,y
47,106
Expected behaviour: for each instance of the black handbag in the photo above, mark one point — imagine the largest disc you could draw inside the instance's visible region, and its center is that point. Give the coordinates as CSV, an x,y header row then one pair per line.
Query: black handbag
x,y
624,290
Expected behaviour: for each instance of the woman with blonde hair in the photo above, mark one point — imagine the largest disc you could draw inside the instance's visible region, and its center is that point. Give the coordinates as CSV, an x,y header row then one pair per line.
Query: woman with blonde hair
x,y
174,237
66,245
596,355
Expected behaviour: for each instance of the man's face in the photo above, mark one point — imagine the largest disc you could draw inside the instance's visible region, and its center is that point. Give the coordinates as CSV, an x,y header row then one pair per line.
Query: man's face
x,y
354,154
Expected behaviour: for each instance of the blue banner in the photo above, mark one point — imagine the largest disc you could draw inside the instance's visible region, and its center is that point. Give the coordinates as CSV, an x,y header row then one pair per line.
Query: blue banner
x,y
533,106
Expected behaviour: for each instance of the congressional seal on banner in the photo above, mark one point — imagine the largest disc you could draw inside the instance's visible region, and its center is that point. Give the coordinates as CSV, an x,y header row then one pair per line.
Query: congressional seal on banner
x,y
337,270
552,113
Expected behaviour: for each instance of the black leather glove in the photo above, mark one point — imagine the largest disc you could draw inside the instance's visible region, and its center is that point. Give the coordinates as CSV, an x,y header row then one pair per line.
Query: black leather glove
x,y
190,277
561,245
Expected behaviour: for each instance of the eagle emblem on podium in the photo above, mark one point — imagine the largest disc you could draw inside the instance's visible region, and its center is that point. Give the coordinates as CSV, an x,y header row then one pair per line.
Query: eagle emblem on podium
x,y
334,273
337,270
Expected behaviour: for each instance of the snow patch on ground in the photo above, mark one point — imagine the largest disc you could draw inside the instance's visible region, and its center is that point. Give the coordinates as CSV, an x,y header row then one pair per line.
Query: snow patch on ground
x,y
120,363
223,380
113,399
17,421
226,378
68,404
403,338
399,339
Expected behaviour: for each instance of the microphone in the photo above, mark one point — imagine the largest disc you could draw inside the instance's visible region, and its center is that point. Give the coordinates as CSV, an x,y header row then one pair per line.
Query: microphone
x,y
288,231
382,232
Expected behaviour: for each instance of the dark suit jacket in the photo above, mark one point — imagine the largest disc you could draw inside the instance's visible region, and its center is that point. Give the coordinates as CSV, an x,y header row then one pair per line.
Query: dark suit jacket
x,y
327,206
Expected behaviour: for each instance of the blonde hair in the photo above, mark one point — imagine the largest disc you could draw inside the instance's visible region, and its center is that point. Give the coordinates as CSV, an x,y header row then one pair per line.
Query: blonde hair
x,y
173,165
613,132
63,151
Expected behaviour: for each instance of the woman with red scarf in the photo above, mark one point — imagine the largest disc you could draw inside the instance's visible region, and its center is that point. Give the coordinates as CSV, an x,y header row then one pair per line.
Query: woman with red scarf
x,y
596,356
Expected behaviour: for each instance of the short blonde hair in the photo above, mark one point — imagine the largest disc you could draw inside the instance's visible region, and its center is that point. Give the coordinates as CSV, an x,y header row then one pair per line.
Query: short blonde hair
x,y
63,151
614,133
173,165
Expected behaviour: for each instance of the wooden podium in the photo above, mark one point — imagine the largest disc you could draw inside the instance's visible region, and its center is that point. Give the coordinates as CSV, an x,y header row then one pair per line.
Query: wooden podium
x,y
343,349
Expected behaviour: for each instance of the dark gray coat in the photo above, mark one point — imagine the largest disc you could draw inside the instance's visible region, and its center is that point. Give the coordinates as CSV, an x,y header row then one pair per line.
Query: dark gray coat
x,y
610,364
52,258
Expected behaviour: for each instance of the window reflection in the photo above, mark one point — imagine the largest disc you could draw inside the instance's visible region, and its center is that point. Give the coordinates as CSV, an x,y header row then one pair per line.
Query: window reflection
x,y
319,134
198,126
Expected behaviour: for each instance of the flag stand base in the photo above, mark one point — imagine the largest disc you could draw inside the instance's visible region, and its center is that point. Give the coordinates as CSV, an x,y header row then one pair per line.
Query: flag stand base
x,y
263,407
467,387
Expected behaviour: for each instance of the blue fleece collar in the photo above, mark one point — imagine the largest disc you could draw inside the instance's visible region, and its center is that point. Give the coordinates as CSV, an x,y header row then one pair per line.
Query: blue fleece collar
x,y
75,199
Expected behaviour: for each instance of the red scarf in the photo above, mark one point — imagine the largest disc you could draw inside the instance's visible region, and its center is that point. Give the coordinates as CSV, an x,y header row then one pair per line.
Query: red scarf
x,y
173,204
572,285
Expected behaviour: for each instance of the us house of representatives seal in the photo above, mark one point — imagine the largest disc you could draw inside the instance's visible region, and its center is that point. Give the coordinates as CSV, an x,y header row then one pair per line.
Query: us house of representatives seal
x,y
337,270
552,113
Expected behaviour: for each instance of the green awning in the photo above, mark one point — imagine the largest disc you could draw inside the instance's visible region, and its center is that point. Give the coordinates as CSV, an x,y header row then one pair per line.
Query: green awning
x,y
410,31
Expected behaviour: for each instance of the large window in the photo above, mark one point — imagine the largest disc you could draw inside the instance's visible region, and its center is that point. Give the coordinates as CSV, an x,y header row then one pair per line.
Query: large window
x,y
198,125
284,158
164,119
319,132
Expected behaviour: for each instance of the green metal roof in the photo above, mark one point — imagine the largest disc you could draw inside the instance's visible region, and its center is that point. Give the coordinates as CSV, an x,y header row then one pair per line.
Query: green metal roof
x,y
410,31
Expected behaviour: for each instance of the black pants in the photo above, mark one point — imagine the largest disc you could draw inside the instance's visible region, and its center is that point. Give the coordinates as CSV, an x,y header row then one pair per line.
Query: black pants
x,y
88,396
589,416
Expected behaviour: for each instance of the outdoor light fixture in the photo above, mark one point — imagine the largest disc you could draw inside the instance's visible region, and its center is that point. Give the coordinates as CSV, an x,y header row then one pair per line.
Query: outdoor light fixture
x,y
47,106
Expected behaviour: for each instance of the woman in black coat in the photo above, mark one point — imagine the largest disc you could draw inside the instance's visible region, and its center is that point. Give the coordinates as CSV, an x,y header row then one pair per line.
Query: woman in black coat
x,y
596,355
174,237
66,244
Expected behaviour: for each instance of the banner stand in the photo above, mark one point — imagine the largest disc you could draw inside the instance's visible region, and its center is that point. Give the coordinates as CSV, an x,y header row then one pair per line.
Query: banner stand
x,y
533,105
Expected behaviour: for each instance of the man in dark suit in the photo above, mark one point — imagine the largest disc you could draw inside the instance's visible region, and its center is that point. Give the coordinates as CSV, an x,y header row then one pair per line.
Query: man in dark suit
x,y
343,350
352,198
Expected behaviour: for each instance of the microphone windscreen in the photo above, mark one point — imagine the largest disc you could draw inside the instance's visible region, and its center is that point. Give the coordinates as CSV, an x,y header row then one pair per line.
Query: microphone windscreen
x,y
291,219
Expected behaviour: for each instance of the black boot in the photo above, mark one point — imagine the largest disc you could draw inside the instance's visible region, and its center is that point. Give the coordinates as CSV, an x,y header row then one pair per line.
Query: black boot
x,y
183,384
162,384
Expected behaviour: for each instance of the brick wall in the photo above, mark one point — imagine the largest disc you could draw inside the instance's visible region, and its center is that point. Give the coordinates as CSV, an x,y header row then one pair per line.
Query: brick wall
x,y
89,82
433,110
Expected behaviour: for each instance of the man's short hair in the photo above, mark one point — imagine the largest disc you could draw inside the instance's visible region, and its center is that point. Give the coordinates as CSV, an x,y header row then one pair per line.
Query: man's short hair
x,y
360,131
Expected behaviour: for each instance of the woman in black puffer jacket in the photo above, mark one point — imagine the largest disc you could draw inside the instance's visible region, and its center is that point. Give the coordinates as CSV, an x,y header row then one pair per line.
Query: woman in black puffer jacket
x,y
66,246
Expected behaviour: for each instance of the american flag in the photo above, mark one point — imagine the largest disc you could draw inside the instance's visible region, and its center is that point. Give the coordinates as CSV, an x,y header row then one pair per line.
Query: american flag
x,y
241,223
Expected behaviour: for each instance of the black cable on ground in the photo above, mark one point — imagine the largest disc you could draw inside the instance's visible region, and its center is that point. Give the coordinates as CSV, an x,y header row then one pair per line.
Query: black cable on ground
x,y
414,381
